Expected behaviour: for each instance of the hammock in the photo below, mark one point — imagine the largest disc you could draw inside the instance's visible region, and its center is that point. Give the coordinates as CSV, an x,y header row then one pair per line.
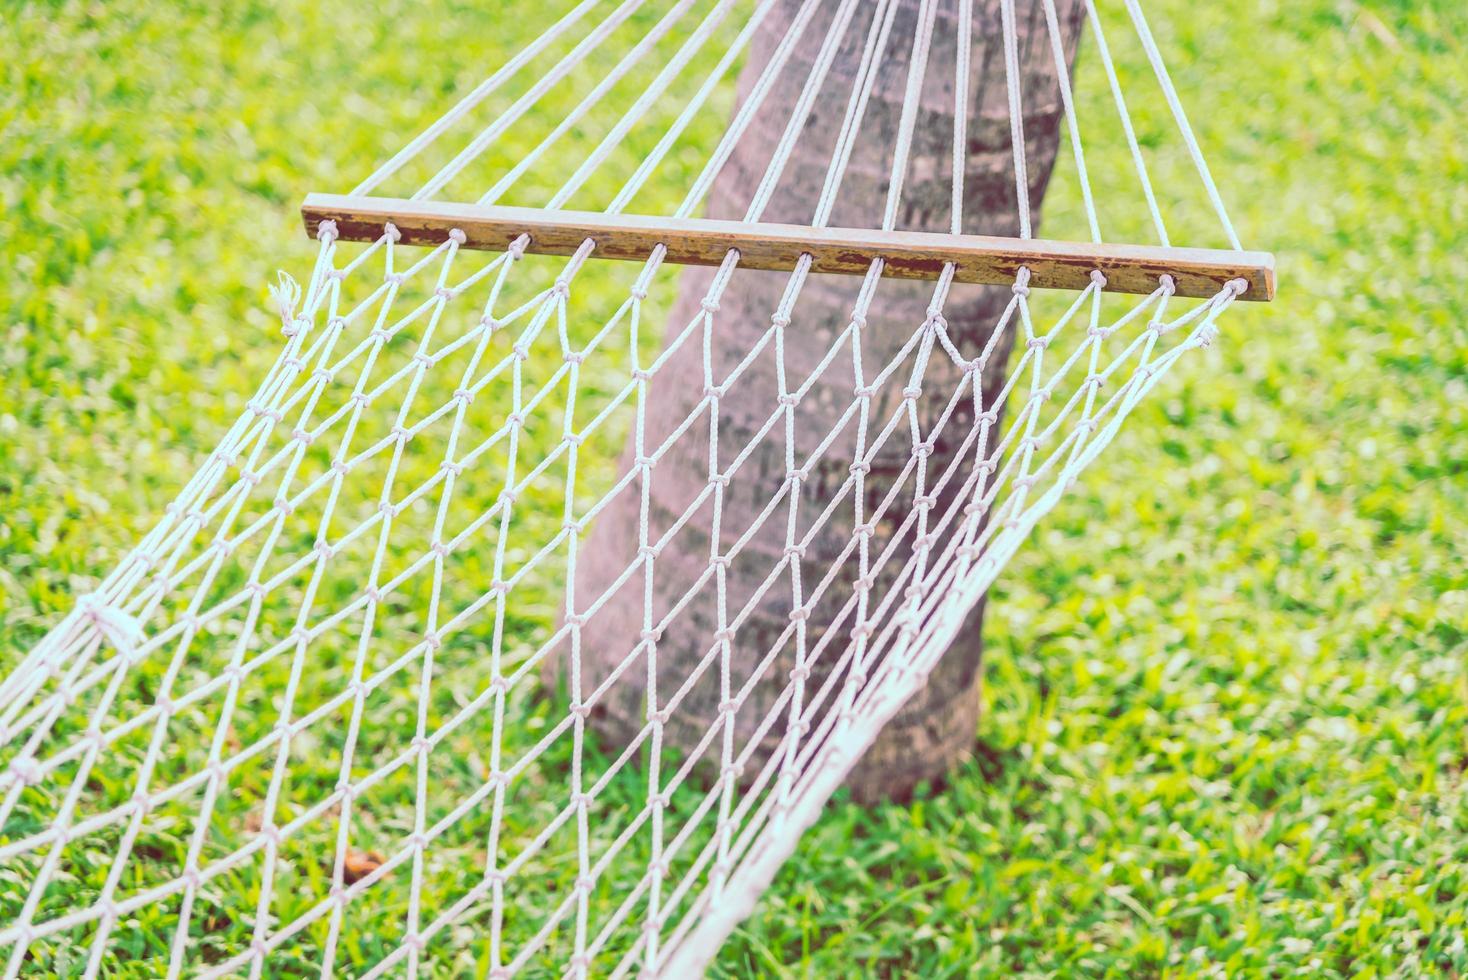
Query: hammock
x,y
351,705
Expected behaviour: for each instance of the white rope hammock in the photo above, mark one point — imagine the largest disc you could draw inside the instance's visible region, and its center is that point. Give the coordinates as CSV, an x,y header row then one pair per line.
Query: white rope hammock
x,y
299,728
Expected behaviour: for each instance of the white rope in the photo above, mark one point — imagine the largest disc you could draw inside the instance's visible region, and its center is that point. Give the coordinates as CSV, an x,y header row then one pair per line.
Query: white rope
x,y
1072,125
680,125
801,112
878,33
562,68
1103,51
1144,32
747,111
625,64
481,91
922,40
655,90
961,73
1016,116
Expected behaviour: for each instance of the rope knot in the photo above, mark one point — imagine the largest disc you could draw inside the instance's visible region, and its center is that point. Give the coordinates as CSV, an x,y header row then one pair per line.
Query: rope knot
x,y
124,632
25,770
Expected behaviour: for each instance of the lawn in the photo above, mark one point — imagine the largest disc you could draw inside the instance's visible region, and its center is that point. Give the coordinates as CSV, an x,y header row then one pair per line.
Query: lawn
x,y
1225,699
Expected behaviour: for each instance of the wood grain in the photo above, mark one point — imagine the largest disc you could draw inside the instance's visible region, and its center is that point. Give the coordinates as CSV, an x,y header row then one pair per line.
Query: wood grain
x,y
845,251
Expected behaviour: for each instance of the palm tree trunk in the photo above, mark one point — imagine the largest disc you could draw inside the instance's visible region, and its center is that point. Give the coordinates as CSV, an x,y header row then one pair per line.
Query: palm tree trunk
x,y
939,724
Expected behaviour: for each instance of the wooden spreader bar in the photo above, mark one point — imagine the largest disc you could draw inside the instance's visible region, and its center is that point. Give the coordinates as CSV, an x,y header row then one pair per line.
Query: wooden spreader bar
x,y
704,241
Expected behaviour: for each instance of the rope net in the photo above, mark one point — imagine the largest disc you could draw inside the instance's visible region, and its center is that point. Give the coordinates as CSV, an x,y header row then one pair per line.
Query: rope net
x,y
352,706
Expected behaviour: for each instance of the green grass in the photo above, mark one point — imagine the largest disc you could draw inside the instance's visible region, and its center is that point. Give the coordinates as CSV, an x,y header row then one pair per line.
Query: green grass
x,y
1225,696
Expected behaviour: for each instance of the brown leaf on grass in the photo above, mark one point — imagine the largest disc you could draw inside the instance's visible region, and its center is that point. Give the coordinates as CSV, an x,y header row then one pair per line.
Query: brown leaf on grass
x,y
360,864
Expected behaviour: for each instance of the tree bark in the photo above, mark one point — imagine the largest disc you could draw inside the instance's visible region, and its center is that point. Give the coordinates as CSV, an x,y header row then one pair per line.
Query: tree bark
x,y
937,727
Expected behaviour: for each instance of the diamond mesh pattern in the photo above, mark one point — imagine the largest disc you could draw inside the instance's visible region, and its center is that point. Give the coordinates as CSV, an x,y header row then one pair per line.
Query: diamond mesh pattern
x,y
315,681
